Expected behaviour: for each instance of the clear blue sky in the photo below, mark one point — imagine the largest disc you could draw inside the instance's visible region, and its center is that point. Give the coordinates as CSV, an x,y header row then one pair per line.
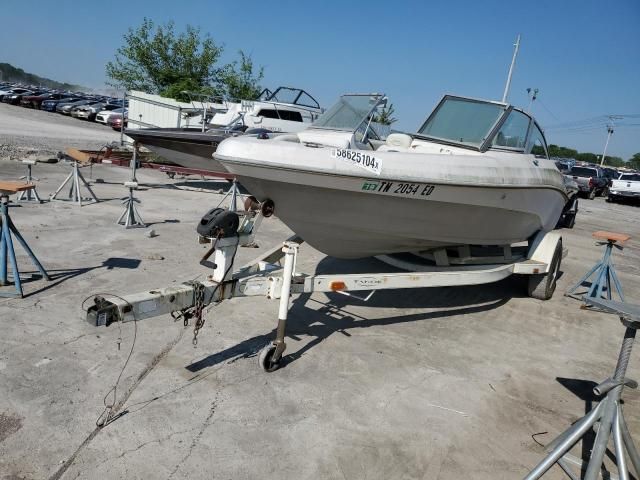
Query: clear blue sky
x,y
583,55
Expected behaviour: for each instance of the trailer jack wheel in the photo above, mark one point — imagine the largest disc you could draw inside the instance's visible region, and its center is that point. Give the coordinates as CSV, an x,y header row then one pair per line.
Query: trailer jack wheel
x,y
265,358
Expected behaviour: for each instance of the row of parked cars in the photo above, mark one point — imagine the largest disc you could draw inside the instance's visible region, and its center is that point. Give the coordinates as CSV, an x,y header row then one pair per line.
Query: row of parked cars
x,y
94,108
593,180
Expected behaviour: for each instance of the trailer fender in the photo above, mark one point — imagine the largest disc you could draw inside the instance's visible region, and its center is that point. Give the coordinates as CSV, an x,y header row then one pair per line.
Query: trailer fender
x,y
543,246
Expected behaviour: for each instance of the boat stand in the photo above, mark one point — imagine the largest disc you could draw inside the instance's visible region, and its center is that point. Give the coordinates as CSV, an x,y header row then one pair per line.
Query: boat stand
x,y
7,252
603,273
30,195
232,194
608,415
130,218
75,178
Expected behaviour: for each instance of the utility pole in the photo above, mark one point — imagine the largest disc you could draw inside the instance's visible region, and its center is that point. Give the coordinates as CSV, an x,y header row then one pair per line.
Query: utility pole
x,y
532,97
124,102
609,133
606,144
513,64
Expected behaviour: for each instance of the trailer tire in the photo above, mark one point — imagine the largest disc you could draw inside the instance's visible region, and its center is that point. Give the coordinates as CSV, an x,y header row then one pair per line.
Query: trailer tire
x,y
569,220
542,286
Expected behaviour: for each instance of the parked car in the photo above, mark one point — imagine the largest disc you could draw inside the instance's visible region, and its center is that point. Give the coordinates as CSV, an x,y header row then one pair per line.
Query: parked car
x,y
36,101
29,101
16,98
51,104
568,216
89,111
77,110
590,180
564,164
103,116
12,91
13,98
65,107
626,187
610,174
115,120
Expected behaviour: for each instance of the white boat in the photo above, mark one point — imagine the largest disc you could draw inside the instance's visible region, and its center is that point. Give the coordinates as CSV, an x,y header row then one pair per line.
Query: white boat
x,y
284,110
475,173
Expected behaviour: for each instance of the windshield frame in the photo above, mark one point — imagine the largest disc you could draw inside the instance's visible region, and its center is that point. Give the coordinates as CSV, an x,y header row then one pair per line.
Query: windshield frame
x,y
493,131
272,96
381,99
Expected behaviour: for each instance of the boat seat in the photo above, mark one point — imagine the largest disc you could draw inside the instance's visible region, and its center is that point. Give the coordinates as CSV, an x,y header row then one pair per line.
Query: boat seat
x,y
397,142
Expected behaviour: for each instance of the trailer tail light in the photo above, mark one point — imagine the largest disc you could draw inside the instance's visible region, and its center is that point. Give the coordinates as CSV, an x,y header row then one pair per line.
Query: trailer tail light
x,y
338,286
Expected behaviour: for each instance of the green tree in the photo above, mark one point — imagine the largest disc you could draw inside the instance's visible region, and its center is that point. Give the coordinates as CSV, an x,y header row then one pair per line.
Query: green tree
x,y
614,162
239,80
562,152
634,161
385,117
587,157
157,60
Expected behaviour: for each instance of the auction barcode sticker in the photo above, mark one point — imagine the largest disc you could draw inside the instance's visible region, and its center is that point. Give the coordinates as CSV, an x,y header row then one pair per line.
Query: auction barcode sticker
x,y
360,159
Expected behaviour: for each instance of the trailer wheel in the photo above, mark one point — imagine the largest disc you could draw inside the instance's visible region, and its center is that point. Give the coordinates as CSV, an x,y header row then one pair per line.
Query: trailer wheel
x,y
543,286
569,220
265,359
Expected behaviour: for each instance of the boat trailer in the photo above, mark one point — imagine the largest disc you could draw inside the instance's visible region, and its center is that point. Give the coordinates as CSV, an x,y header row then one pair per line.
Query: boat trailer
x,y
274,276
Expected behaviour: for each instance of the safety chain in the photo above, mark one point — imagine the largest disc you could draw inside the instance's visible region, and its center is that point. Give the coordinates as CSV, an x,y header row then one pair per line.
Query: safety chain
x,y
198,307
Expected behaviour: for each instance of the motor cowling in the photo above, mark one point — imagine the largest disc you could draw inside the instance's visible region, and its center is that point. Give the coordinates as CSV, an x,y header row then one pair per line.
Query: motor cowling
x,y
219,223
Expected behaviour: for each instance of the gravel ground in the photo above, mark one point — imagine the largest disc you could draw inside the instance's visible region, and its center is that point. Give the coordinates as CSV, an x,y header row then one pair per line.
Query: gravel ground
x,y
27,133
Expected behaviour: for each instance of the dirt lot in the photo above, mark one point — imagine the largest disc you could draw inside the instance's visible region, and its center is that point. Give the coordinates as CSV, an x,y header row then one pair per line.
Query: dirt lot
x,y
27,133
440,383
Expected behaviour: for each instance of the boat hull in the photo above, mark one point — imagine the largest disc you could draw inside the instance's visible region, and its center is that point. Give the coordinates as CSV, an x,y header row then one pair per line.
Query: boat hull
x,y
185,148
346,215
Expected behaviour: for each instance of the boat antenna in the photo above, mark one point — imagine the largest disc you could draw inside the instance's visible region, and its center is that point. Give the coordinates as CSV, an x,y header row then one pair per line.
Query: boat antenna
x,y
513,64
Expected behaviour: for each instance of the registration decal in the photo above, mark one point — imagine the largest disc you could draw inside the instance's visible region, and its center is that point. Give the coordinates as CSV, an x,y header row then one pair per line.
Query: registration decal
x,y
398,188
360,159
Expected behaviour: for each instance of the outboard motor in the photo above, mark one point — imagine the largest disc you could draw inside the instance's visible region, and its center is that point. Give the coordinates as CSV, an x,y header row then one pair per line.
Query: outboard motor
x,y
219,223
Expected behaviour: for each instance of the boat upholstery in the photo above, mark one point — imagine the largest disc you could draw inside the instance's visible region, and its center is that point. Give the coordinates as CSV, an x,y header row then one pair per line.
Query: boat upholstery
x,y
396,142
399,140
326,138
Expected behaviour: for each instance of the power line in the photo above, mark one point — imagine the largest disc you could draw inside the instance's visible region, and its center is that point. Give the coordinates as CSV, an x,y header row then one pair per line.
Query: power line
x,y
583,128
601,120
548,111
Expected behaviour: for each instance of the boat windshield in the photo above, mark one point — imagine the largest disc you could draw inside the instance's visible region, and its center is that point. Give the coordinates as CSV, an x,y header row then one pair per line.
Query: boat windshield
x,y
462,121
350,112
293,96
